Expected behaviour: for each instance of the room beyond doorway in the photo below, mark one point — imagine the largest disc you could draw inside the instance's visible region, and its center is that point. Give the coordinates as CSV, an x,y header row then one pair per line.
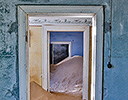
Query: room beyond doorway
x,y
76,38
66,74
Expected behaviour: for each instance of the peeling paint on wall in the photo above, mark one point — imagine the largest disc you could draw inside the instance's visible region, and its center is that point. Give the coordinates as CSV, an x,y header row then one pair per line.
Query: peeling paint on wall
x,y
13,27
8,84
105,92
12,92
115,80
35,1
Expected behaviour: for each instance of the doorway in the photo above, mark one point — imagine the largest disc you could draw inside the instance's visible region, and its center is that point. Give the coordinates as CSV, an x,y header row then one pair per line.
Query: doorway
x,y
74,37
95,13
57,55
46,39
66,74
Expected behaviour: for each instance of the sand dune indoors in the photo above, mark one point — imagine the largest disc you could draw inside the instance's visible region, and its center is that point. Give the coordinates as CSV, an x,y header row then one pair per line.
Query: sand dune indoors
x,y
65,81
38,93
67,75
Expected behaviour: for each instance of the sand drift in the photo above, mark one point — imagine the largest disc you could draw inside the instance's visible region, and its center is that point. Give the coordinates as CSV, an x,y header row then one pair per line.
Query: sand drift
x,y
67,76
38,93
65,83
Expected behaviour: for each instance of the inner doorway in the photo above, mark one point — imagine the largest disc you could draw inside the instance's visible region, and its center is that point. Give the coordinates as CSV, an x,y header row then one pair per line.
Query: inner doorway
x,y
66,73
46,40
57,55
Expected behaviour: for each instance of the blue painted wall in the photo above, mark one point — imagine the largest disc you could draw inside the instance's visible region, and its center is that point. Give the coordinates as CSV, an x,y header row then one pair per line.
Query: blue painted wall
x,y
76,39
115,80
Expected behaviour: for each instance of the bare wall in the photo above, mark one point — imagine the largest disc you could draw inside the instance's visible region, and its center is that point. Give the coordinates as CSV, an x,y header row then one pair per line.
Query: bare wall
x,y
35,54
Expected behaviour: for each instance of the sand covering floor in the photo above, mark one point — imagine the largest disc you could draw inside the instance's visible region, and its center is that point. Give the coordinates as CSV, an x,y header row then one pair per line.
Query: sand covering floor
x,y
38,93
65,82
66,76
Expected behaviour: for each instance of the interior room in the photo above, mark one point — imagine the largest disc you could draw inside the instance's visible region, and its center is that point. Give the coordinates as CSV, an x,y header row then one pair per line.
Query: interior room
x,y
65,60
66,72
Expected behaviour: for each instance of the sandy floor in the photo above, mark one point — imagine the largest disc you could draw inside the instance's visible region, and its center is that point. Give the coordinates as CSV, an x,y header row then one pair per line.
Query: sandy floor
x,y
37,93
66,77
65,82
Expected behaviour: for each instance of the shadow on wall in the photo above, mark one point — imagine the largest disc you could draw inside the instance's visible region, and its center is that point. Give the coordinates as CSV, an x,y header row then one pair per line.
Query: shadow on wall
x,y
58,52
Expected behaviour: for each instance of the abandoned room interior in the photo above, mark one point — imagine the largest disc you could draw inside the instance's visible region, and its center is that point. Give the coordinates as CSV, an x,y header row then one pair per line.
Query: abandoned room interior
x,y
63,50
65,46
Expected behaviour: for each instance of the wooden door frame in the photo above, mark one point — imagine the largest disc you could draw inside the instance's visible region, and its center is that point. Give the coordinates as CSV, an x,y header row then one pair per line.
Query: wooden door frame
x,y
94,12
46,29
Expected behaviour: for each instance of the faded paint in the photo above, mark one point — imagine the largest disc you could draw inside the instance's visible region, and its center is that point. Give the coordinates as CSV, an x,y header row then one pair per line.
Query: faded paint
x,y
115,79
35,54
